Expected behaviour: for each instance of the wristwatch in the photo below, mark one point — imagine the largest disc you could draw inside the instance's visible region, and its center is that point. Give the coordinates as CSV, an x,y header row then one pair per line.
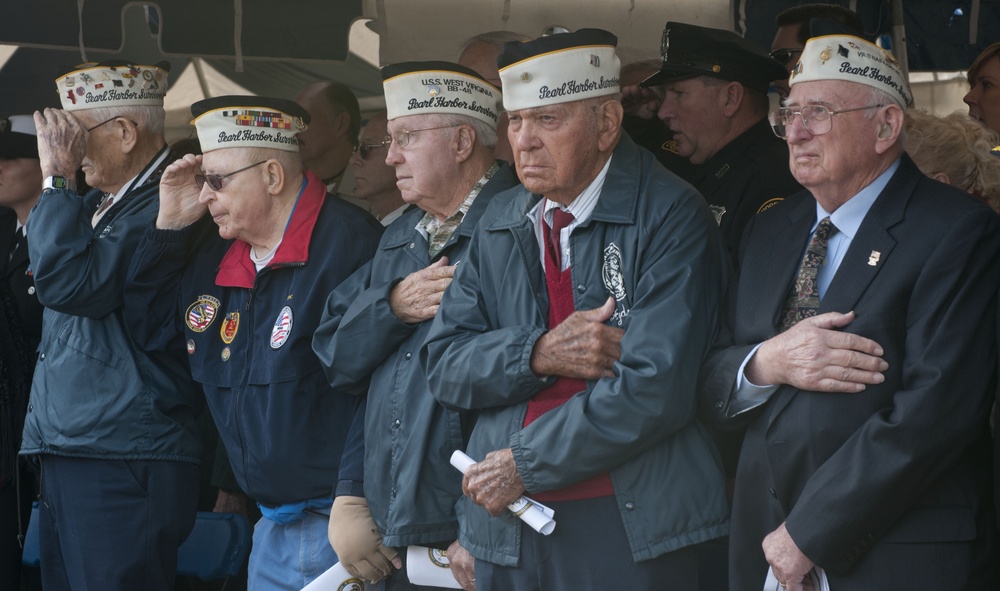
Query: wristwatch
x,y
55,182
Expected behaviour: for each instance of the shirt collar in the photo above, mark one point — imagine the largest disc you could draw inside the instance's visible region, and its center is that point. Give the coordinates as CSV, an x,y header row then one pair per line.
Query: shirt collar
x,y
581,207
849,216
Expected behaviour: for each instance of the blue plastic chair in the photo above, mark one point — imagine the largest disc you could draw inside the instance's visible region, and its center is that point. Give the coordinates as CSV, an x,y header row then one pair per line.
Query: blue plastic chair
x,y
216,549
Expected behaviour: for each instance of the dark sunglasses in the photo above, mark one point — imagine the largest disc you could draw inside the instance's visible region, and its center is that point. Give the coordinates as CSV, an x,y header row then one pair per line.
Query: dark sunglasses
x,y
214,181
365,150
784,54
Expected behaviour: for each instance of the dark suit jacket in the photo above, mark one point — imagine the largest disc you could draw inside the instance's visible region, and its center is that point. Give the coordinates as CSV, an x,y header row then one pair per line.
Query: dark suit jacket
x,y
875,487
22,284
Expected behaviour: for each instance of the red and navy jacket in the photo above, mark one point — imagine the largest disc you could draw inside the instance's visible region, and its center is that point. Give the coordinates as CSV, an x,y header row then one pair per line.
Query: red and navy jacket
x,y
248,336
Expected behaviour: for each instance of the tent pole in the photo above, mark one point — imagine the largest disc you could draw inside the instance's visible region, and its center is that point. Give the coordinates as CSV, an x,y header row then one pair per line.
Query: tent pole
x,y
200,72
899,36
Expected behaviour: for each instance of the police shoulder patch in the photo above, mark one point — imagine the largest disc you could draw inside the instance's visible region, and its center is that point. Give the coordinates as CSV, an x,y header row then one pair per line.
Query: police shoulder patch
x,y
769,204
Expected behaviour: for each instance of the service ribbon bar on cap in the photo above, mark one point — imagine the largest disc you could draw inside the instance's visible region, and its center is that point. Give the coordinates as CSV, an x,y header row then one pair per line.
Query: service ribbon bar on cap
x,y
419,88
113,84
248,122
852,59
559,69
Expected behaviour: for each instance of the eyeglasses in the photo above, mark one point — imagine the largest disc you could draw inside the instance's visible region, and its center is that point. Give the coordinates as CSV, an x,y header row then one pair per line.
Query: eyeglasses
x,y
364,150
815,118
402,137
784,54
214,181
89,129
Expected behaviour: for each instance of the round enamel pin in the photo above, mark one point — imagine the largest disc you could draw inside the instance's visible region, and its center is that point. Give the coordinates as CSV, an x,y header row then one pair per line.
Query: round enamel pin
x,y
226,353
282,328
191,347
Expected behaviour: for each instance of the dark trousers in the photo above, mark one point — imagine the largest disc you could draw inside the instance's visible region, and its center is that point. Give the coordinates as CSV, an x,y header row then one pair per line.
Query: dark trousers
x,y
10,549
114,525
589,549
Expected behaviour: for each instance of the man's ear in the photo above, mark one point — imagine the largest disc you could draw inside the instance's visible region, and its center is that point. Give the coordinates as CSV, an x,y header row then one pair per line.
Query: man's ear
x,y
731,98
890,127
274,177
609,124
465,142
128,132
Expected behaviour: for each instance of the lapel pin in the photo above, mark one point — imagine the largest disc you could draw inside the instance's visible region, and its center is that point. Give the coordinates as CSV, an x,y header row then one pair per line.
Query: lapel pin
x,y
873,258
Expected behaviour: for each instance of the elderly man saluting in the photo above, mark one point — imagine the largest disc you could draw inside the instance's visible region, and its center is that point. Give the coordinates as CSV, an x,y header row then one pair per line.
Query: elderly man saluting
x,y
442,125
244,304
113,425
573,326
860,347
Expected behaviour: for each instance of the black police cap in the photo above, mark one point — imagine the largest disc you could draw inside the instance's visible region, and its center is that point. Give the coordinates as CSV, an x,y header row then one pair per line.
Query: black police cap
x,y
688,51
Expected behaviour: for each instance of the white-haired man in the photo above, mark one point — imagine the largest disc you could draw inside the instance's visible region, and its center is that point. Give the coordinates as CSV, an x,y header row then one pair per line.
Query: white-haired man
x,y
441,146
860,347
114,426
572,326
243,297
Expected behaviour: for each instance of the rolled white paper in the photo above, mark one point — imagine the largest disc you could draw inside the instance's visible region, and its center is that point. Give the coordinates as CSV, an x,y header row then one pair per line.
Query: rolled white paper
x,y
535,514
336,578
429,567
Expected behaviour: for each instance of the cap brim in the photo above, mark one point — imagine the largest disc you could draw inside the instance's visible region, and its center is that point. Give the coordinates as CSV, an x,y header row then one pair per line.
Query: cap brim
x,y
671,75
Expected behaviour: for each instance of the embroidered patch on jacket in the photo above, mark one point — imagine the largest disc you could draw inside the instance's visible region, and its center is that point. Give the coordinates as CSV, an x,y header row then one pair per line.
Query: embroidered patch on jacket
x,y
201,313
282,328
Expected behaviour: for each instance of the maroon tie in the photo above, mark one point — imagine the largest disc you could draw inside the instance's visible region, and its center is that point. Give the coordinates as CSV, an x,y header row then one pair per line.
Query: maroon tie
x,y
560,219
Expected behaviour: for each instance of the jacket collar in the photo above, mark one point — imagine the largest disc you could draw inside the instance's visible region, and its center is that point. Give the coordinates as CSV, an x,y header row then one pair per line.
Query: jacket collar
x,y
400,232
236,268
617,203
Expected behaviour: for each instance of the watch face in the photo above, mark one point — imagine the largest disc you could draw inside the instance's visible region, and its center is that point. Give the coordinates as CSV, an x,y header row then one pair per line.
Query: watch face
x,y
56,182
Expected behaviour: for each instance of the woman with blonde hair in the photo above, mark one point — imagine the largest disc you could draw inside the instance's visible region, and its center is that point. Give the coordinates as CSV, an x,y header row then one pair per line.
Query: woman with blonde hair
x,y
955,149
983,97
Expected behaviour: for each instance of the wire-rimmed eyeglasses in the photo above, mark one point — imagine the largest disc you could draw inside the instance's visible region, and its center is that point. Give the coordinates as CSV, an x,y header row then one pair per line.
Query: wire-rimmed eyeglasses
x,y
815,118
106,121
364,150
214,181
402,136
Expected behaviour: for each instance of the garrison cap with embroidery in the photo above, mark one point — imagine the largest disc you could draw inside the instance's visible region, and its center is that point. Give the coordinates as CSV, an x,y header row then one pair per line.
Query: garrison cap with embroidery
x,y
687,51
560,68
852,59
18,138
113,83
248,122
419,88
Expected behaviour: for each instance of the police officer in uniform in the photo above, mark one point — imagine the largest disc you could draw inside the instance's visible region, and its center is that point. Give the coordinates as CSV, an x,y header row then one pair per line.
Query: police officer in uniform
x,y
715,101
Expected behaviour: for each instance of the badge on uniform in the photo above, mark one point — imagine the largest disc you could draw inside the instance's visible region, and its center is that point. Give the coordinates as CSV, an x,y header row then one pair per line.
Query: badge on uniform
x,y
201,313
769,204
229,327
282,328
718,211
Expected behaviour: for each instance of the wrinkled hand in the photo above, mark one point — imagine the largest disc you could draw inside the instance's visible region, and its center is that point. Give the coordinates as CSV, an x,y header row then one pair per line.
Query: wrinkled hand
x,y
812,355
640,102
581,346
462,566
417,297
62,142
791,567
180,205
231,502
493,483
358,542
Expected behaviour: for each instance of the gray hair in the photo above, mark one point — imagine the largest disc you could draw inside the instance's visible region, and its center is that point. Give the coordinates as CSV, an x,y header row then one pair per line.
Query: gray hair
x,y
486,134
147,118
